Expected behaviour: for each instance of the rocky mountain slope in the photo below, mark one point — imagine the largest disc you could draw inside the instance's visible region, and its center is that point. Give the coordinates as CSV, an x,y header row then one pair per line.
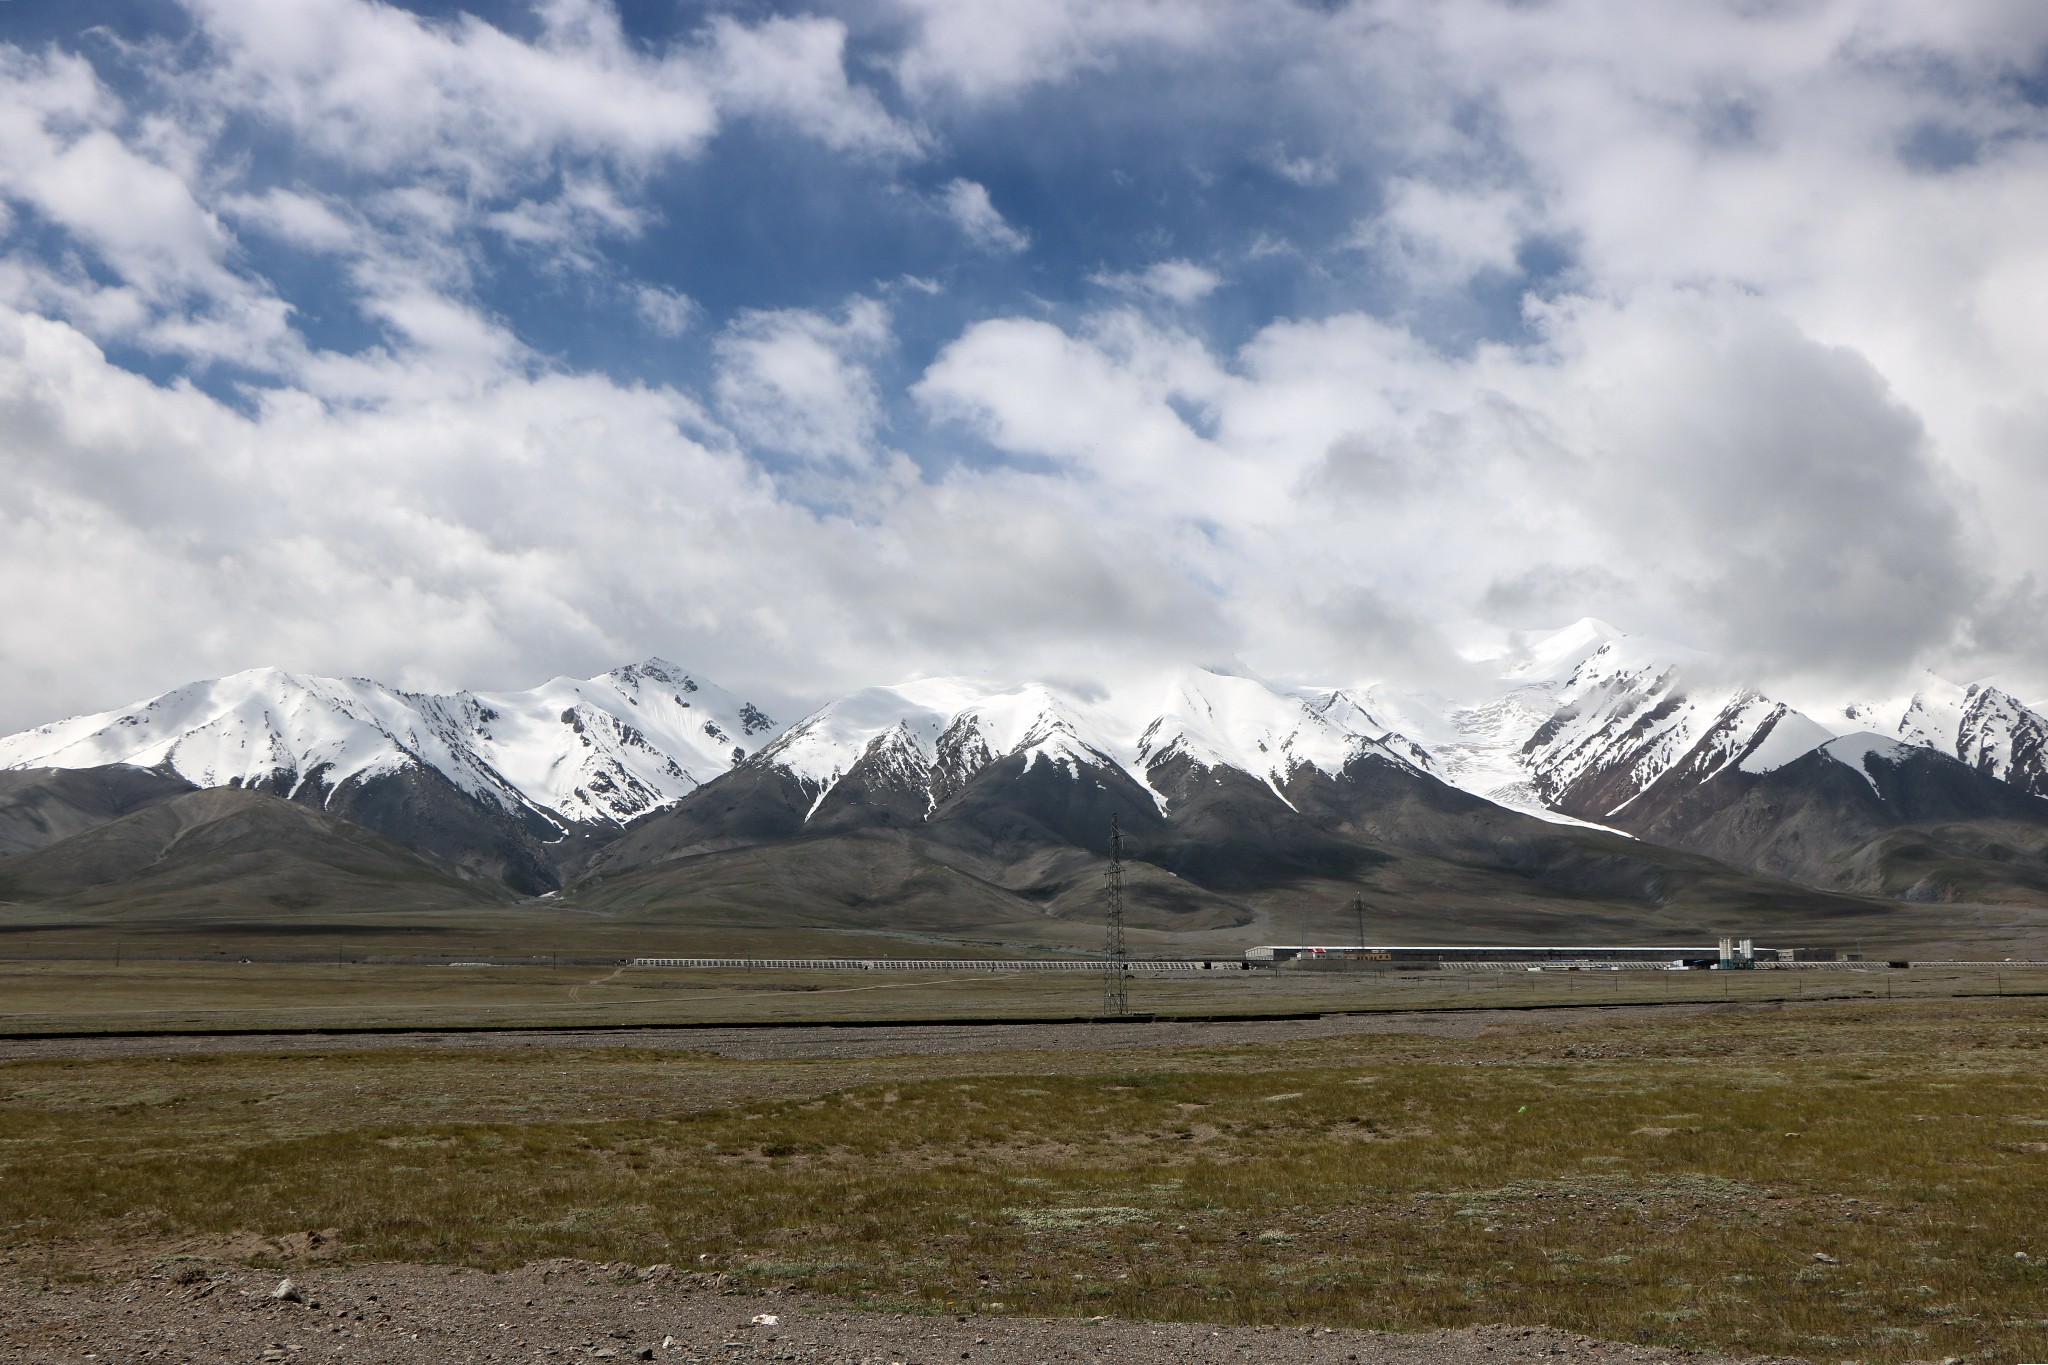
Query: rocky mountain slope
x,y
231,854
1863,813
39,806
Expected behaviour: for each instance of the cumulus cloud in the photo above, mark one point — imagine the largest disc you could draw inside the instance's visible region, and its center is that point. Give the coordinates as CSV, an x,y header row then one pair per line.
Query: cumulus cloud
x,y
1768,386
1176,281
793,70
378,87
164,274
667,312
305,221
450,539
1795,501
798,383
1112,406
1439,237
383,89
1770,490
968,205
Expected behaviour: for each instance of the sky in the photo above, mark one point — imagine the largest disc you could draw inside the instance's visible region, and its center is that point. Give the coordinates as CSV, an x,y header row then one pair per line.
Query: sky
x,y
465,343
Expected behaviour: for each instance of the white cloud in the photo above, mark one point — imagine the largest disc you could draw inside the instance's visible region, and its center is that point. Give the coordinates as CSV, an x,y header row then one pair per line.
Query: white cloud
x,y
306,221
1305,171
667,312
988,49
131,208
797,382
377,87
460,126
1113,406
1440,237
1176,281
501,533
569,226
1792,503
409,533
968,205
794,70
1763,489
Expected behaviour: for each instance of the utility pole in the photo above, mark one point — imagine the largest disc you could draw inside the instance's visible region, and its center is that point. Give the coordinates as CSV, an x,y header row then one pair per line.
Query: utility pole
x,y
1358,913
1116,961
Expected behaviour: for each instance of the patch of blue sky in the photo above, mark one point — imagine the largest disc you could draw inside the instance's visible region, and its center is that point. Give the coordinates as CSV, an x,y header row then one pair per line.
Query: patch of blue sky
x,y
35,23
1933,145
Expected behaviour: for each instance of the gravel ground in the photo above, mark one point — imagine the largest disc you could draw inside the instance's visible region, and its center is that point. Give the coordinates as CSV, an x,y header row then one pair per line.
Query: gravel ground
x,y
567,1311
875,1041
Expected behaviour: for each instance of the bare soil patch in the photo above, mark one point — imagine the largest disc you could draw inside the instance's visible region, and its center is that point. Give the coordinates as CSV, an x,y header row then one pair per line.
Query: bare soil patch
x,y
189,1310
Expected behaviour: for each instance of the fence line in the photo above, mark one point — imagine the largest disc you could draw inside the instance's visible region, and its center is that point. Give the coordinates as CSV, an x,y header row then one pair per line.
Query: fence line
x,y
1982,966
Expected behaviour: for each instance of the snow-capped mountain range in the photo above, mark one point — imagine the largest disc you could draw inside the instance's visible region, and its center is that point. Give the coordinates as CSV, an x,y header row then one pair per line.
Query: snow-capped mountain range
x,y
936,734
1587,719
1580,725
578,751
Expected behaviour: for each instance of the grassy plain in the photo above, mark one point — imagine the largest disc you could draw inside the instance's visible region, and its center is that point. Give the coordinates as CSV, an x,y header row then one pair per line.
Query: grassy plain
x,y
69,996
1841,1179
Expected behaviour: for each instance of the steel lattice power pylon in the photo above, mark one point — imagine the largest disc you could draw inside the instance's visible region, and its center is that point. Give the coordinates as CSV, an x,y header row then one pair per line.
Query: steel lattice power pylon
x,y
1116,959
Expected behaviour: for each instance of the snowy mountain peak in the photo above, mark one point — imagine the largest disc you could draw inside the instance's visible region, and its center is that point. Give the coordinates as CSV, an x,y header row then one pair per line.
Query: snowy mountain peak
x,y
1632,660
1933,716
1357,714
656,668
598,750
1628,716
1035,721
960,727
1542,656
1779,737
1217,720
1863,749
2001,736
941,732
1980,723
263,727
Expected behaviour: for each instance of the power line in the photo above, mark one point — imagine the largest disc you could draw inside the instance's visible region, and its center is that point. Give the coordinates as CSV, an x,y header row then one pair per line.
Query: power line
x,y
1116,960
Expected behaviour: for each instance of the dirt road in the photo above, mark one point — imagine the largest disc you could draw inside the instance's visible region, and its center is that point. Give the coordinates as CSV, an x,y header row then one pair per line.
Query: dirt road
x,y
571,1311
880,1040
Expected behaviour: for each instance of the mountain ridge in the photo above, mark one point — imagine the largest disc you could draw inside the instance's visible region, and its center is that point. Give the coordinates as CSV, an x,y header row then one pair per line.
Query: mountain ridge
x,y
509,786
538,790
